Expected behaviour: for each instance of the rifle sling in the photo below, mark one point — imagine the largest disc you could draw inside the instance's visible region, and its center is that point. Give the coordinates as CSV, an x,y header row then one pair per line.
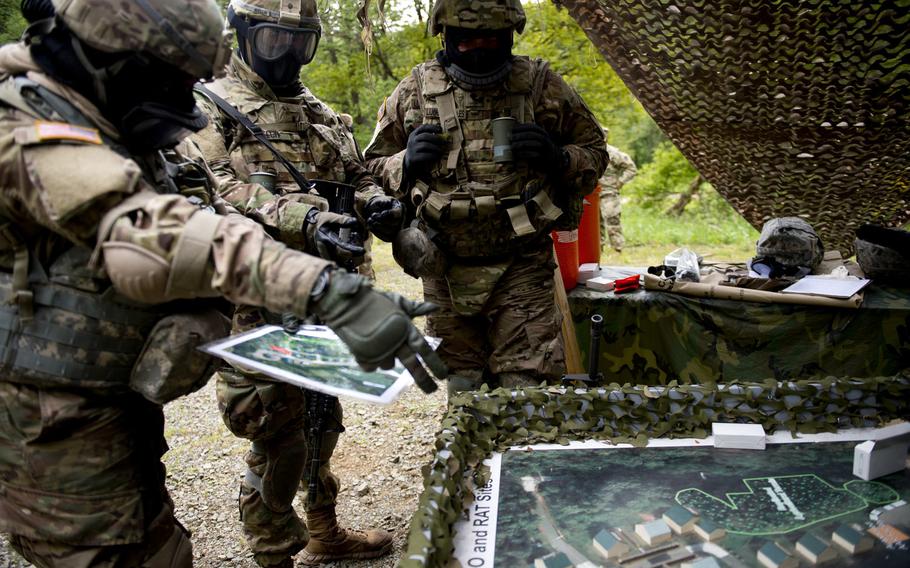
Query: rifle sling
x,y
254,129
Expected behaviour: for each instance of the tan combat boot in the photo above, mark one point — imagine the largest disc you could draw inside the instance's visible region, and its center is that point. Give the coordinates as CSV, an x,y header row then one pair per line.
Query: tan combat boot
x,y
329,542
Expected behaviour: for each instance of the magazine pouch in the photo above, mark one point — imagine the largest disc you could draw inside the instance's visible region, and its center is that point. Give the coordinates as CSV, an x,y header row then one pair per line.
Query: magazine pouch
x,y
170,364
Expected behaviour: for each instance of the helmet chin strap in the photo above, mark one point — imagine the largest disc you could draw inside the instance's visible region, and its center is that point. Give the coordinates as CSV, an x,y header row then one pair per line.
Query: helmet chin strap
x,y
99,75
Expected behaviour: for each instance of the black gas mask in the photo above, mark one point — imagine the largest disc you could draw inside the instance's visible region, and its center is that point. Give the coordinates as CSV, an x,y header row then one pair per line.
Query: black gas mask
x,y
150,102
275,52
477,58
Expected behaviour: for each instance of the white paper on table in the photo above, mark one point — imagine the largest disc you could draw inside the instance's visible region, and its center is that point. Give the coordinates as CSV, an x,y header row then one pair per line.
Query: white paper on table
x,y
831,287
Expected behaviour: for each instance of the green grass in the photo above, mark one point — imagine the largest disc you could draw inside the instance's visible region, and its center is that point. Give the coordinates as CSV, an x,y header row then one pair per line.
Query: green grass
x,y
716,235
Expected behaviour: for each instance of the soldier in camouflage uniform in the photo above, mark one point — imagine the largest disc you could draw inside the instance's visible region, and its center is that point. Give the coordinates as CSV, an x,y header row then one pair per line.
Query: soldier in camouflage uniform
x,y
275,38
101,264
620,172
489,218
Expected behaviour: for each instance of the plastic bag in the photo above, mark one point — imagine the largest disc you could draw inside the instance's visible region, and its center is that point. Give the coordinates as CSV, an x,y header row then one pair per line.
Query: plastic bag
x,y
686,263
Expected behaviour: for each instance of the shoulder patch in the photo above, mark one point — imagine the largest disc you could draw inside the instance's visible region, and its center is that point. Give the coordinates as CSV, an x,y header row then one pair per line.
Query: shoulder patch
x,y
44,131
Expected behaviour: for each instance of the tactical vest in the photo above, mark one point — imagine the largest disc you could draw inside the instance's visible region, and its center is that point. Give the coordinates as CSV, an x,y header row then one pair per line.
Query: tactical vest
x,y
315,149
61,323
478,207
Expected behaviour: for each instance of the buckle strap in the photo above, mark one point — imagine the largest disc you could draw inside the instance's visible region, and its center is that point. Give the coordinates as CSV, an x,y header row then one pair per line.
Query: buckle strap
x,y
31,361
90,342
188,278
92,306
21,296
448,116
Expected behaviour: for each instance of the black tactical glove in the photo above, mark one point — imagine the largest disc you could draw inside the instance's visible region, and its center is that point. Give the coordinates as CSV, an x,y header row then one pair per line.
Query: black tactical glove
x,y
376,326
384,216
335,237
425,147
532,144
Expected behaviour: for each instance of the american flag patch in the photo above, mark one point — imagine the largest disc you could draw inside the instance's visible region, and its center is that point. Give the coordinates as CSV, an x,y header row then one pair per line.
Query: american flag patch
x,y
63,131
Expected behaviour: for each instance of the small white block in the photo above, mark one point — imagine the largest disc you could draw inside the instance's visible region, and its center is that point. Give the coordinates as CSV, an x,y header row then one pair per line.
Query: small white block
x,y
874,459
740,436
588,271
601,284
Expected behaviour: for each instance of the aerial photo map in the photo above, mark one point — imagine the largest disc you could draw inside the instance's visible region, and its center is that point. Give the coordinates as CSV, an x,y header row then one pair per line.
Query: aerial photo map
x,y
313,358
790,505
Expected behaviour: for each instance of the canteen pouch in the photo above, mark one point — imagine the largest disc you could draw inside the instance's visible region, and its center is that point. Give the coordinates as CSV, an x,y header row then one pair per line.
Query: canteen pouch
x,y
170,365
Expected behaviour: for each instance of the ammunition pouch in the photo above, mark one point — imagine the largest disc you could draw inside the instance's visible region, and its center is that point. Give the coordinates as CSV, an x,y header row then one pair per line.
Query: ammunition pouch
x,y
481,220
170,365
417,254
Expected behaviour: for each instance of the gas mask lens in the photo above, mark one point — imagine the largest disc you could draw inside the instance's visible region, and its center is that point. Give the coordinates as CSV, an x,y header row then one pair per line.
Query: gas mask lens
x,y
271,42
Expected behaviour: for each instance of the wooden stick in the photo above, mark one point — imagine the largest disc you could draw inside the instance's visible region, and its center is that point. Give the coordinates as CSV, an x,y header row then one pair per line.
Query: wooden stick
x,y
569,339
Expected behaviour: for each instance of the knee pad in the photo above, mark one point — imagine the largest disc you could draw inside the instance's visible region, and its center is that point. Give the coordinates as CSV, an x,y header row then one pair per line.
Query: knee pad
x,y
285,461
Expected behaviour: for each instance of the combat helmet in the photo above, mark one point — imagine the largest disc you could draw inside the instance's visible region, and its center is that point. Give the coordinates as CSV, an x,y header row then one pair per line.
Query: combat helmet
x,y
791,242
292,13
477,14
276,37
188,34
884,254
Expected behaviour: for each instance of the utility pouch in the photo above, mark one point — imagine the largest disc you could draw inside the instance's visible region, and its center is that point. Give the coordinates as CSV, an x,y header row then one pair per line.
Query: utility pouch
x,y
471,286
170,364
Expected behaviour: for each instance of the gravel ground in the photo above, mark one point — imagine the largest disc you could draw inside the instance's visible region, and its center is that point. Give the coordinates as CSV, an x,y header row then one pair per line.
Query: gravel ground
x,y
378,460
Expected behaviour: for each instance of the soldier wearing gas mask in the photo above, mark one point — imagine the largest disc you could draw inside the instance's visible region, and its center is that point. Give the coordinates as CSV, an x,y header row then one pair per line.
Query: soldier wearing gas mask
x,y
256,175
489,151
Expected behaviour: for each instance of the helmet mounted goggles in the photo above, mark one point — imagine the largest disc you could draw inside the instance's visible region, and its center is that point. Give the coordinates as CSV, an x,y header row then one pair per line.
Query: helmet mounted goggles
x,y
271,42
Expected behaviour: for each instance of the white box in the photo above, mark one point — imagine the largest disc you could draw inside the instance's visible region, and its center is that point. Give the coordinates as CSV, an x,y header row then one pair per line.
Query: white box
x,y
587,271
740,436
874,459
601,284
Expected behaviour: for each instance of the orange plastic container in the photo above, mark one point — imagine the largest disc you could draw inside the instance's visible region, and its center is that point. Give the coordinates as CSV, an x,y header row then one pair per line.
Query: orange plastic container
x,y
566,245
589,229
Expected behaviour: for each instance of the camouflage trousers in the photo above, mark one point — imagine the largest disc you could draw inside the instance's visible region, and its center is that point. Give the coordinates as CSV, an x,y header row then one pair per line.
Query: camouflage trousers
x,y
82,483
273,416
610,220
514,340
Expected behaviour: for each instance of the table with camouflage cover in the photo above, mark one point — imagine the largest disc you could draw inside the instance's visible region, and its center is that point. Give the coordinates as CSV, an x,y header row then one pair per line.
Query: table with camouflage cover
x,y
656,337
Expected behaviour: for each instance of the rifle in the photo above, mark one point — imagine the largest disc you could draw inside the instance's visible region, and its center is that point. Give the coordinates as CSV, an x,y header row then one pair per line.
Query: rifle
x,y
341,198
320,406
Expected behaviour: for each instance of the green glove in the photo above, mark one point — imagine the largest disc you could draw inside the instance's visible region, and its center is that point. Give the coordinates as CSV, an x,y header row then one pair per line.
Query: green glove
x,y
377,327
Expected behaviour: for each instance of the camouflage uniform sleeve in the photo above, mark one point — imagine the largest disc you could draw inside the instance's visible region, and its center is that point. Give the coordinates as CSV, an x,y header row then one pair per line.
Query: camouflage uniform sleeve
x,y
562,112
385,153
627,168
283,214
245,266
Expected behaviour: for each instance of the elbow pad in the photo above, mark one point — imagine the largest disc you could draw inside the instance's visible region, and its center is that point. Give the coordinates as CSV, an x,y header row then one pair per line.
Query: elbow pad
x,y
145,276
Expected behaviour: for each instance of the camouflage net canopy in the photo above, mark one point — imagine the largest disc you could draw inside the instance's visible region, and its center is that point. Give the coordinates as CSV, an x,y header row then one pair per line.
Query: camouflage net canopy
x,y
787,108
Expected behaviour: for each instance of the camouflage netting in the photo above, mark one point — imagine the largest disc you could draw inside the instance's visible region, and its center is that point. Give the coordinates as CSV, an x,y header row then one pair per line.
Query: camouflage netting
x,y
480,422
787,108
